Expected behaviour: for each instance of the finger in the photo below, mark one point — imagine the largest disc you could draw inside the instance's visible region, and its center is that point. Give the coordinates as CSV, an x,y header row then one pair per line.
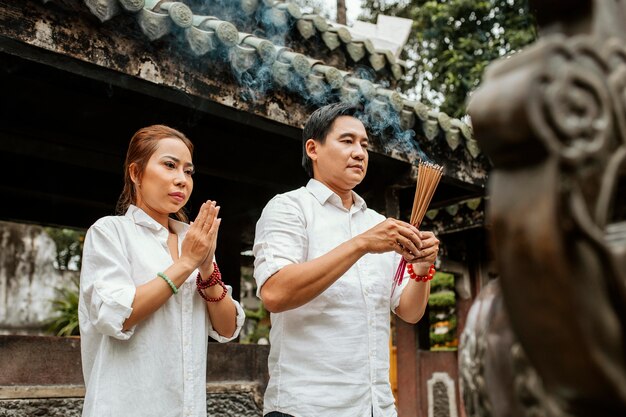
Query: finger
x,y
408,233
415,230
409,257
428,254
430,242
212,236
407,225
397,248
408,247
426,235
210,218
214,226
195,225
202,213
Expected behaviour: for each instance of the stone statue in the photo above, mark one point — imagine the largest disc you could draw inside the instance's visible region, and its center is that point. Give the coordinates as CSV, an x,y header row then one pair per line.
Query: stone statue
x,y
552,119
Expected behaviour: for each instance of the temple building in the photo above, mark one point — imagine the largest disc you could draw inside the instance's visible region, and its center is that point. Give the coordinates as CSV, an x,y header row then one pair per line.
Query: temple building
x,y
239,78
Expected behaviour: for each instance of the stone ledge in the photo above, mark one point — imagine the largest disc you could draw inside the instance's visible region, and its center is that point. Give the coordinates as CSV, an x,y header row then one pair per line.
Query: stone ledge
x,y
41,391
72,391
232,398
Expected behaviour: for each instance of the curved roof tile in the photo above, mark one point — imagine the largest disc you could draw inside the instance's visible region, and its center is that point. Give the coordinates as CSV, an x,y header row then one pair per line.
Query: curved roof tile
x,y
205,34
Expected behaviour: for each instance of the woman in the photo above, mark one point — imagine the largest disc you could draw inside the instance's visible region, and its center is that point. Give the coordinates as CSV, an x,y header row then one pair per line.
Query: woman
x,y
150,291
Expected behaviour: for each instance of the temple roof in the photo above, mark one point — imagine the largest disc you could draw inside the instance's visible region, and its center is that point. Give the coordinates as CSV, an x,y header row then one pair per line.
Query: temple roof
x,y
81,75
206,34
271,47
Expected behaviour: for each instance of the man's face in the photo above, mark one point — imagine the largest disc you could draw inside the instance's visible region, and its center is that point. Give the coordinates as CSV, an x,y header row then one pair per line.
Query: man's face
x,y
341,161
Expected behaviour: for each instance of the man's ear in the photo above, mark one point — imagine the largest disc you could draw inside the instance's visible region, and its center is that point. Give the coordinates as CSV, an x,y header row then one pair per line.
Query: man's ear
x,y
311,148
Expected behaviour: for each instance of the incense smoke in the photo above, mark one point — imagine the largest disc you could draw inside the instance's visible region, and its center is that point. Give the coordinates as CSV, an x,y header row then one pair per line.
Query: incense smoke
x,y
256,80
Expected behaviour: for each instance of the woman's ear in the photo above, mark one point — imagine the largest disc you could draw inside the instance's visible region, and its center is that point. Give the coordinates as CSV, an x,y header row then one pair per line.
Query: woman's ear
x,y
311,148
132,171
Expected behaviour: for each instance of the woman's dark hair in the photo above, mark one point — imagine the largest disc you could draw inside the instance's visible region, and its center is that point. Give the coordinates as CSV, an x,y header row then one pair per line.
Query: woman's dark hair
x,y
141,147
319,124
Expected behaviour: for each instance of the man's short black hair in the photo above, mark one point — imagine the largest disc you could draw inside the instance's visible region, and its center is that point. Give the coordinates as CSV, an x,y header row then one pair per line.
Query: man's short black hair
x,y
319,124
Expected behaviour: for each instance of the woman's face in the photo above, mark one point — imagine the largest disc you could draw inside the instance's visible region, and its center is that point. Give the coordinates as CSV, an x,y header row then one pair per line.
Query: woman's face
x,y
166,183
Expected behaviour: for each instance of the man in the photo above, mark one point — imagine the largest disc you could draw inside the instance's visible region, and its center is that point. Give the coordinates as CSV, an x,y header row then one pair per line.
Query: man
x,y
324,266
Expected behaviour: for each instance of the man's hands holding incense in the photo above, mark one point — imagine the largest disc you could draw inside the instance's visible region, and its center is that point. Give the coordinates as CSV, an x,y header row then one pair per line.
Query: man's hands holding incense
x,y
414,297
394,235
428,253
418,248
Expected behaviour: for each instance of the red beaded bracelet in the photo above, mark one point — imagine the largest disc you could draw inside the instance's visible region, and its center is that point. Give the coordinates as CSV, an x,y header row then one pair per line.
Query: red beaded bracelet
x,y
214,279
422,278
214,299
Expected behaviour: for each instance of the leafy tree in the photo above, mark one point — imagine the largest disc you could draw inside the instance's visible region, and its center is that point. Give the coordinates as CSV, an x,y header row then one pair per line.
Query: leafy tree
x,y
69,245
452,42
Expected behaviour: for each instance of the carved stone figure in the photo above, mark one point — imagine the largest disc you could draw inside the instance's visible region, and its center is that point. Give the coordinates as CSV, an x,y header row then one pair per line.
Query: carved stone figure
x,y
552,119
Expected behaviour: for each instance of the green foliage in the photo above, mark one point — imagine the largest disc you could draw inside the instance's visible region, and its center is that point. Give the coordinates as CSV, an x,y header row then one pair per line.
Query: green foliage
x,y
260,331
442,312
65,308
441,280
439,339
261,327
442,299
258,314
452,42
69,244
435,317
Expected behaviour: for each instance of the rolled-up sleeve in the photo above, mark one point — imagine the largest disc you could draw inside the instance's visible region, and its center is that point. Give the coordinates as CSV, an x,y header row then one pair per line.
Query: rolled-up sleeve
x,y
106,286
395,298
280,239
241,317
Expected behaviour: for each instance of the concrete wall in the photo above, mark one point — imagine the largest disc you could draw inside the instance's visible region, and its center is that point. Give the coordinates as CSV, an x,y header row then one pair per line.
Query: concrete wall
x,y
28,277
42,376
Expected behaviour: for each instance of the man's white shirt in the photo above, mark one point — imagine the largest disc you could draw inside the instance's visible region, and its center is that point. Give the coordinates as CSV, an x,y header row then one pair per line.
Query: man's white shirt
x,y
329,357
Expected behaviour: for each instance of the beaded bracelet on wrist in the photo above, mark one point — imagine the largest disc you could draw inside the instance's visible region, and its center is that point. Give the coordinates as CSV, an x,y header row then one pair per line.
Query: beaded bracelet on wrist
x,y
214,299
421,278
214,279
169,282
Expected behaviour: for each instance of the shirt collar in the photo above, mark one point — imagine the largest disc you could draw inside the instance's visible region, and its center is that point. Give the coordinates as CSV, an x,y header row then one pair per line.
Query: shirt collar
x,y
142,218
323,194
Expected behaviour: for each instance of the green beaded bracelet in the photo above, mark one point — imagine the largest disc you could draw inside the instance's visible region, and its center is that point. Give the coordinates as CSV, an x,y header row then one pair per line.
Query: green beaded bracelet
x,y
169,282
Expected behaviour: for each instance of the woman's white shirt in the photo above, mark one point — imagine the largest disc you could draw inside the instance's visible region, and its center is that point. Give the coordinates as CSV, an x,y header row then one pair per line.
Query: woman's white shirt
x,y
158,367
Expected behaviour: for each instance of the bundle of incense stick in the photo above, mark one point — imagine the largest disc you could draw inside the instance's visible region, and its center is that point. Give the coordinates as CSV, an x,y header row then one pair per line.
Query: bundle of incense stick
x,y
428,176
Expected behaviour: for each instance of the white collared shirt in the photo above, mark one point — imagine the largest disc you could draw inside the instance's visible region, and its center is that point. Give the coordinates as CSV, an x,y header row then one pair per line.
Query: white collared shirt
x,y
158,367
329,357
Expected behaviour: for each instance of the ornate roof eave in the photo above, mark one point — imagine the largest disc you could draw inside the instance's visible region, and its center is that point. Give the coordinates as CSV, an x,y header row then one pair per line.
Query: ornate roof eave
x,y
458,217
220,42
